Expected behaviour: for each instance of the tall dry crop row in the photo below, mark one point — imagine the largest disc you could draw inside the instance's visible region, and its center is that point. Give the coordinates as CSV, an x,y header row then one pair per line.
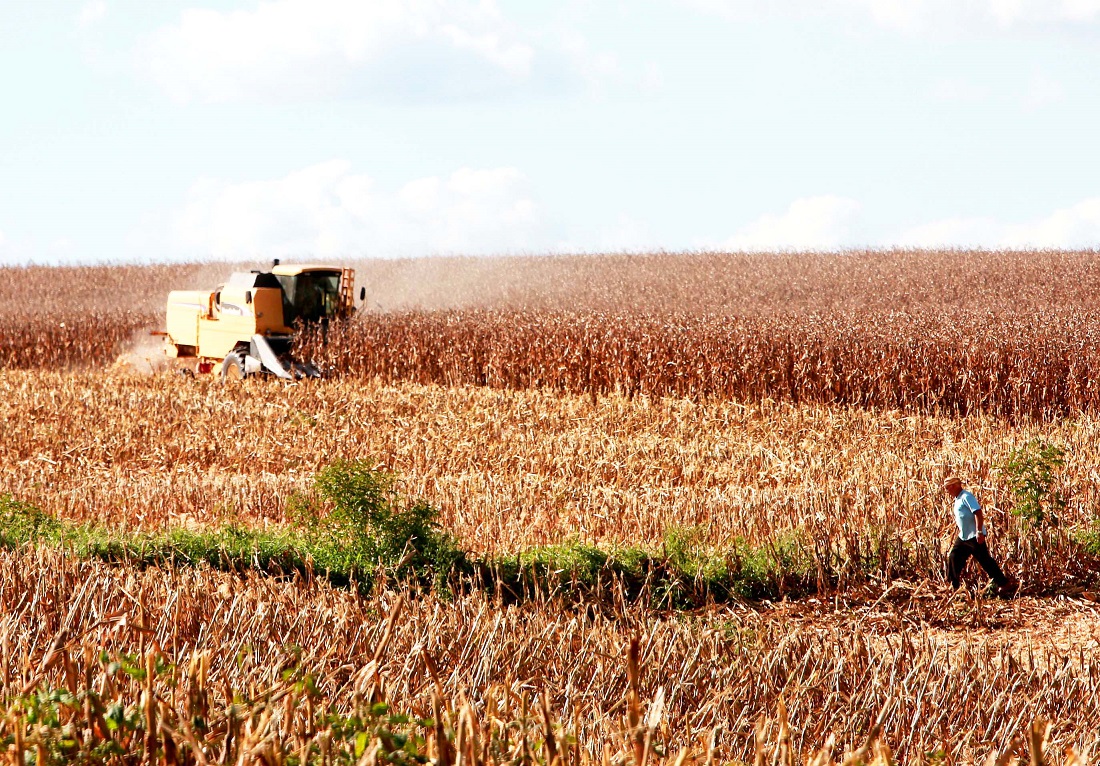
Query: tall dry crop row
x,y
69,340
85,316
1042,365
1008,333
142,288
741,284
731,284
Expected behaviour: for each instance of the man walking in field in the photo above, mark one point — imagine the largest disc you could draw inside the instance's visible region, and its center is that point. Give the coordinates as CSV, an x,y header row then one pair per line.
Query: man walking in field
x,y
971,541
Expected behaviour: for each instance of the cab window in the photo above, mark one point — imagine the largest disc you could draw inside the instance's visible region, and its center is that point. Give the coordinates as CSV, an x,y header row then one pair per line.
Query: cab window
x,y
311,296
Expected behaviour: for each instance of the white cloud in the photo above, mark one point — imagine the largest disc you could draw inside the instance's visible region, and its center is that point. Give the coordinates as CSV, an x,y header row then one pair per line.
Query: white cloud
x,y
595,68
958,90
825,223
919,15
1077,226
328,210
811,223
93,11
19,249
293,48
514,58
626,235
952,232
653,80
1041,92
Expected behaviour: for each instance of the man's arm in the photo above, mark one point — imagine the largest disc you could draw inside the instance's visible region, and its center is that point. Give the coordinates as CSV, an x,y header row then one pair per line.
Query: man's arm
x,y
979,520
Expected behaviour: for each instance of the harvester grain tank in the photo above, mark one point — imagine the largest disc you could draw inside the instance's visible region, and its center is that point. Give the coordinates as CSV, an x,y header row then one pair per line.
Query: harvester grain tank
x,y
247,325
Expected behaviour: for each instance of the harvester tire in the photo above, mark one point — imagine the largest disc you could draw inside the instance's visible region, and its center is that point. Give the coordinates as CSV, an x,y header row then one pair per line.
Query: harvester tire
x,y
233,369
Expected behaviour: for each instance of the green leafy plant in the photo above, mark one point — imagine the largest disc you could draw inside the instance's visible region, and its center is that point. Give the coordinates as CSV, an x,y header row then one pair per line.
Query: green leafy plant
x,y
570,563
688,557
357,523
1031,471
22,522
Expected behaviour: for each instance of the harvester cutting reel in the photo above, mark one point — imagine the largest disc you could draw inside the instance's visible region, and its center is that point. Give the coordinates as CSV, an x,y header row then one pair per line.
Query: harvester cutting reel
x,y
269,356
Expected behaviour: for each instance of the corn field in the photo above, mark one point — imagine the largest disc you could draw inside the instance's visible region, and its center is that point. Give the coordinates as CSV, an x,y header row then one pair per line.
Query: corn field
x,y
1043,365
1010,334
59,342
742,284
803,405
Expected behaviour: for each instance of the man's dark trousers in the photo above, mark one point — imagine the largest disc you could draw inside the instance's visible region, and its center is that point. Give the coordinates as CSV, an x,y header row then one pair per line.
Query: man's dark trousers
x,y
961,552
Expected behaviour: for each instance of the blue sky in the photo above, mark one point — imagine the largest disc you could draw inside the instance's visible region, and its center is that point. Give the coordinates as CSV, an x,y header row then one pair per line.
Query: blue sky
x,y
137,131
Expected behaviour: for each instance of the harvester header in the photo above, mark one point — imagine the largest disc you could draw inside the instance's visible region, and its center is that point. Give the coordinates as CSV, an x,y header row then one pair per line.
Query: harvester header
x,y
247,324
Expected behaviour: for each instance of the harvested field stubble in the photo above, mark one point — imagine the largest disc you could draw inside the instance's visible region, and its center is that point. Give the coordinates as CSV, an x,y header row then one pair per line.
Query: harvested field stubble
x,y
724,669
511,470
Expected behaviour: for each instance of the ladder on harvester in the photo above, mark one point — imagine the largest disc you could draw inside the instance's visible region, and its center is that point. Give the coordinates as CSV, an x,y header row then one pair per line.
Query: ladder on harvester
x,y
347,293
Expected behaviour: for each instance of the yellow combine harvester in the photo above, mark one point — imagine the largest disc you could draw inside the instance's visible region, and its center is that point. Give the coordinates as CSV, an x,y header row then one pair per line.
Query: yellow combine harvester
x,y
247,324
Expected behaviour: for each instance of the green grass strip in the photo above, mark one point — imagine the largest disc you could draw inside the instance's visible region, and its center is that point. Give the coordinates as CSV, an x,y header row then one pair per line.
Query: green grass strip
x,y
396,547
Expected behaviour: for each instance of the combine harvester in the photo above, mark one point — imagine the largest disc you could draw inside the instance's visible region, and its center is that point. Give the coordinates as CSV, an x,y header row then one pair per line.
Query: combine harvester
x,y
247,325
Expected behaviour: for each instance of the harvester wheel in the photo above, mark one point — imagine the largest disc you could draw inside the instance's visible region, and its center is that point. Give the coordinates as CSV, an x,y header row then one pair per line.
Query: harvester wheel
x,y
233,368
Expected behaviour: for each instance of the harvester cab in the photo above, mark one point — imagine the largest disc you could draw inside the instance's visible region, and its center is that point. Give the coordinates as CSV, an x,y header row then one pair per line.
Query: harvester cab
x,y
247,324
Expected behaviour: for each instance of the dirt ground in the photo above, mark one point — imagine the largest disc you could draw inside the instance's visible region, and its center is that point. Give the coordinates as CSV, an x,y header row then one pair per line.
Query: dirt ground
x,y
1067,624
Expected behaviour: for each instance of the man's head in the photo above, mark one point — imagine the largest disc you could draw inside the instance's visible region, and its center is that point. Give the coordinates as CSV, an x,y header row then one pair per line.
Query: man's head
x,y
952,485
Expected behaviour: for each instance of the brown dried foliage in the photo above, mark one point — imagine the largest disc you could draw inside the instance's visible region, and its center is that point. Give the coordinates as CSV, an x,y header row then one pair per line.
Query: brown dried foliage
x,y
63,341
716,674
1043,365
85,316
516,468
741,285
1008,333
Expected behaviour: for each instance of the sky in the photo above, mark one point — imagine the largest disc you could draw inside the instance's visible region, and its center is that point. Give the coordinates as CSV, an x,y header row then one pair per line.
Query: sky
x,y
177,130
